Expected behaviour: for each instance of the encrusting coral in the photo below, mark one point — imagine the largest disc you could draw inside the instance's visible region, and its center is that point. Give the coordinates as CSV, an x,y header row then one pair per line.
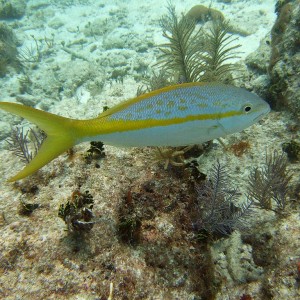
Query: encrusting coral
x,y
201,13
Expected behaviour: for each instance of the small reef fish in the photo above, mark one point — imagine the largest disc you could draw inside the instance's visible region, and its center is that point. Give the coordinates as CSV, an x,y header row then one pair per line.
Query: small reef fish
x,y
179,115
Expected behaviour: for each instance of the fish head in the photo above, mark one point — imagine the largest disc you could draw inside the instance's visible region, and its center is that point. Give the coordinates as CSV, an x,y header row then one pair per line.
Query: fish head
x,y
243,110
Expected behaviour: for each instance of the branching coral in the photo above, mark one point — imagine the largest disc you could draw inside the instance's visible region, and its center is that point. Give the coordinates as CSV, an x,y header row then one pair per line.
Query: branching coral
x,y
156,81
179,54
25,145
216,209
8,50
171,156
192,55
269,184
217,53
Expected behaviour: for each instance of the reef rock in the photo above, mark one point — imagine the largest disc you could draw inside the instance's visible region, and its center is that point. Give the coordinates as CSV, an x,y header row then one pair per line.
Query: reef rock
x,y
284,67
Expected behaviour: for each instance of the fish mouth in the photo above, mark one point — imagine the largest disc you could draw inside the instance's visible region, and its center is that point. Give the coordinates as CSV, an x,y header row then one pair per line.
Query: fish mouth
x,y
264,113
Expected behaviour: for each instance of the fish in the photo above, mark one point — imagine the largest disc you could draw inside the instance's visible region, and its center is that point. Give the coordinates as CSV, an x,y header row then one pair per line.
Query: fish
x,y
178,115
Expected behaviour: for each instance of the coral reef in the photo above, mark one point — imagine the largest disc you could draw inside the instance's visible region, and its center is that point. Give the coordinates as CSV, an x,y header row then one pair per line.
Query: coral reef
x,y
25,145
292,149
26,209
274,67
191,55
270,184
240,148
284,65
77,213
8,49
13,9
96,151
201,13
141,235
234,260
217,211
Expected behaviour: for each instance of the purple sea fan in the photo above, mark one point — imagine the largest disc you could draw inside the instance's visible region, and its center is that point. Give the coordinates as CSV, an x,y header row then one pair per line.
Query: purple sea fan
x,y
216,212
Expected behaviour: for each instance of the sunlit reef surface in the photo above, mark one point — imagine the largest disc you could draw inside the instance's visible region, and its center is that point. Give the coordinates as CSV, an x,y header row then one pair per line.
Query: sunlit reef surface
x,y
126,222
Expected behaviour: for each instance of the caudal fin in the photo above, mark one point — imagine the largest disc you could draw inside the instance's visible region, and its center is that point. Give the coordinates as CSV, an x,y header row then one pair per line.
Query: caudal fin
x,y
59,130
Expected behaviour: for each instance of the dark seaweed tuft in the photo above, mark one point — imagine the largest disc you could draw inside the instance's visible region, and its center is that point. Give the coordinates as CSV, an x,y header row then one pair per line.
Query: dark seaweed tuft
x,y
77,213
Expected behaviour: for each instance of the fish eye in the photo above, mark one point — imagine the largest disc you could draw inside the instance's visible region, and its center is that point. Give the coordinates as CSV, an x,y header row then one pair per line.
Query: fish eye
x,y
247,108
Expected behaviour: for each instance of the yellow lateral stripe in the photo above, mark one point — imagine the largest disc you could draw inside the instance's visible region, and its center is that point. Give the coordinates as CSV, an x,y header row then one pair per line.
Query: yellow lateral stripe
x,y
96,127
125,104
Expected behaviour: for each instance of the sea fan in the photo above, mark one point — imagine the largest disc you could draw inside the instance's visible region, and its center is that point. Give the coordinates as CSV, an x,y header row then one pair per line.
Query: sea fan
x,y
25,145
217,213
269,184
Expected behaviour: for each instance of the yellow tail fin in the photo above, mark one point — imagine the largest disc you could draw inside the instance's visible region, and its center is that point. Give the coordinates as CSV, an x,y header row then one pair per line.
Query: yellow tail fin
x,y
60,135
